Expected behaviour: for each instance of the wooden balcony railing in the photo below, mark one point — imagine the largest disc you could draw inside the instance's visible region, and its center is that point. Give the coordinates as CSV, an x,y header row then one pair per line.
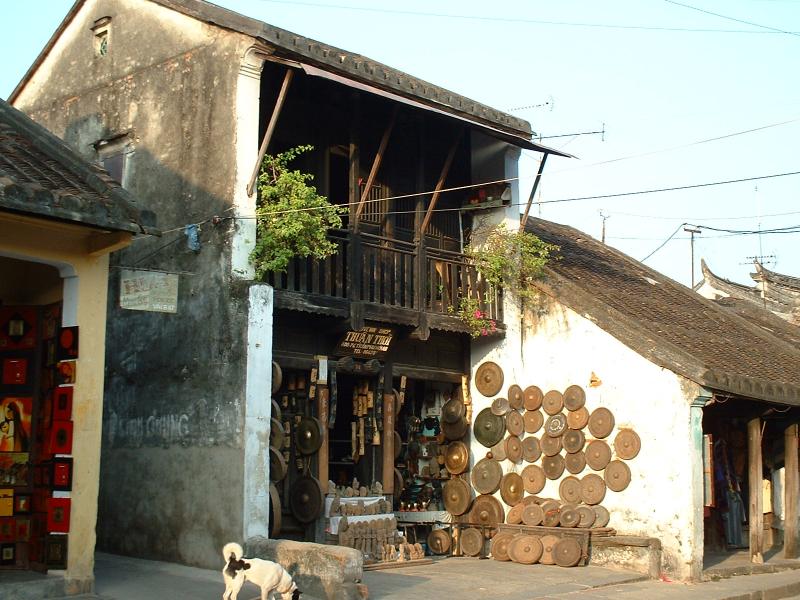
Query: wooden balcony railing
x,y
393,273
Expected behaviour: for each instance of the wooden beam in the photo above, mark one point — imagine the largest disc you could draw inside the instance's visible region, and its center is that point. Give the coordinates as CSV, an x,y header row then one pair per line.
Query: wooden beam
x,y
533,191
440,184
376,164
323,410
756,491
388,441
791,493
273,121
105,243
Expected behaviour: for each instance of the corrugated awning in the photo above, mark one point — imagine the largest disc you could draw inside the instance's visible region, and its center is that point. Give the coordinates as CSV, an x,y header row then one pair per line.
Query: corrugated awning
x,y
496,133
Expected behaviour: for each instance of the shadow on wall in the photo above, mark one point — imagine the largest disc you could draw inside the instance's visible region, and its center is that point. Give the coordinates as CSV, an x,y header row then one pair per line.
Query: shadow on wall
x,y
174,386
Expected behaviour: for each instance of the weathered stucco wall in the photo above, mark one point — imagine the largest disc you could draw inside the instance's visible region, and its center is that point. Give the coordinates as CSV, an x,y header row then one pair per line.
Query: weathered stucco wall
x,y
84,296
175,386
558,347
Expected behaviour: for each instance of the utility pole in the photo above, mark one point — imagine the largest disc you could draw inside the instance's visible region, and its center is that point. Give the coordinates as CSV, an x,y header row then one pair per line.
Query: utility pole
x,y
692,231
604,217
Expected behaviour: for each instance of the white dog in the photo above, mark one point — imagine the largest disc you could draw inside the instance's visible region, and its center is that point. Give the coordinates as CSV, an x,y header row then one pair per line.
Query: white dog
x,y
269,576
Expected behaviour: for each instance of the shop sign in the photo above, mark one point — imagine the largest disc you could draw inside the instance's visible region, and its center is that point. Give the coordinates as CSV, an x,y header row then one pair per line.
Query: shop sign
x,y
367,342
148,290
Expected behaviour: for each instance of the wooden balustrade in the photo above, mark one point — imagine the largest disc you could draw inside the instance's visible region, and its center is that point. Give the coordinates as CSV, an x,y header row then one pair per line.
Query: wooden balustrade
x,y
379,270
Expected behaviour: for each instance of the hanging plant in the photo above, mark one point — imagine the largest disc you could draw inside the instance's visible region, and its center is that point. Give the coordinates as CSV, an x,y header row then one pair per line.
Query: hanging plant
x,y
292,219
512,260
477,321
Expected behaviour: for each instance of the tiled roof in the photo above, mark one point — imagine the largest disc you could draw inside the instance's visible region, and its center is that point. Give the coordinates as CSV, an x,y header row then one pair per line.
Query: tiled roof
x,y
294,47
666,322
764,318
41,175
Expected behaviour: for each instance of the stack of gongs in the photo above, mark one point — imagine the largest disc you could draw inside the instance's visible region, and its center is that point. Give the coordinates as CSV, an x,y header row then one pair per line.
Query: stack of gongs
x,y
277,463
528,549
456,493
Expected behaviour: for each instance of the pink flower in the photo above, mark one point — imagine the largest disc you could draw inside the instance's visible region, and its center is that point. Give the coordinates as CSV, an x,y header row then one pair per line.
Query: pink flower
x,y
484,332
478,314
493,324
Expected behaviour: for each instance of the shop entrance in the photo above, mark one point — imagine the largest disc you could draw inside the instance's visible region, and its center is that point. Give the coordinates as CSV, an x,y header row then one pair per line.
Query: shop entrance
x,y
744,448
33,393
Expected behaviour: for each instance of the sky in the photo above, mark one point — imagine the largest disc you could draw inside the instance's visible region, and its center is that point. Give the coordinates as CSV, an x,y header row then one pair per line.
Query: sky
x,y
688,95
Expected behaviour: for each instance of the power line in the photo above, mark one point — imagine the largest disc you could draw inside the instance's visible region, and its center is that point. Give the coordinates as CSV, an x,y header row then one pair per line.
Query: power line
x,y
708,12
669,189
518,20
740,218
664,243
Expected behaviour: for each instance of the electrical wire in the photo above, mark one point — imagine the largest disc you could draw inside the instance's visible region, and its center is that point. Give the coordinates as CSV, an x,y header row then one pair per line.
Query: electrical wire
x,y
739,218
708,12
664,243
519,20
478,207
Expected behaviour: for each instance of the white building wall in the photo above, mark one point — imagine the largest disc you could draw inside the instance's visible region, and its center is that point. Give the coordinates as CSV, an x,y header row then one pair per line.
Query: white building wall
x,y
558,348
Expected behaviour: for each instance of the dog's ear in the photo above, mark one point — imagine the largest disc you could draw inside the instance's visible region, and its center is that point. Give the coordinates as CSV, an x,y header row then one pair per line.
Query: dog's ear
x,y
245,565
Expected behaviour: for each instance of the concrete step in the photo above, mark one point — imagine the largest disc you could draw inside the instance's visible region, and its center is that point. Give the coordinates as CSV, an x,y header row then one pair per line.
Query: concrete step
x,y
26,585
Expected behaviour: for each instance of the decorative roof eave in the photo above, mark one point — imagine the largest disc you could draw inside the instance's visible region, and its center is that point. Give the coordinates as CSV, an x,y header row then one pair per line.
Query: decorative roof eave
x,y
658,351
771,277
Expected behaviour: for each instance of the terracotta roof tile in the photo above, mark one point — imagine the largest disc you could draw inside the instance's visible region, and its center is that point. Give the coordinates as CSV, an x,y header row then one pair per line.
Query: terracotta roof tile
x,y
666,322
41,175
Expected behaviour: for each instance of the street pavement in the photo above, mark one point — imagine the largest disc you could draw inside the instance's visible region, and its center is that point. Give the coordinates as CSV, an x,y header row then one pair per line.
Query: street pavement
x,y
122,578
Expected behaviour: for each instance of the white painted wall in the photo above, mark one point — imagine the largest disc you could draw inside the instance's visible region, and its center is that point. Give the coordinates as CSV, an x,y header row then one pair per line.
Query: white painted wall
x,y
258,411
559,348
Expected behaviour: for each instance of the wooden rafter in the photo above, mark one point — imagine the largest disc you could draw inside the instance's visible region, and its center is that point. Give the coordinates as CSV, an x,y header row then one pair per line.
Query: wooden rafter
x,y
376,164
440,183
273,121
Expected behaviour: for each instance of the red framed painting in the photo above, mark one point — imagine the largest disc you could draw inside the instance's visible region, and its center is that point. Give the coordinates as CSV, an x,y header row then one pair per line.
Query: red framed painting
x,y
17,328
61,437
67,344
62,403
58,510
61,479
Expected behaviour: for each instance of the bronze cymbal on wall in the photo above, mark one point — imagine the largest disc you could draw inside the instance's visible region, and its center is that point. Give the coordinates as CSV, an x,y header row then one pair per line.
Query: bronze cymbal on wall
x,y
456,457
601,422
532,398
489,428
512,488
627,444
574,397
489,379
457,496
486,476
515,397
514,423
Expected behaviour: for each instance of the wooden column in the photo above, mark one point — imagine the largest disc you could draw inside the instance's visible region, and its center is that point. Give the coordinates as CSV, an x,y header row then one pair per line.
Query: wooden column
x,y
388,442
323,410
791,493
756,487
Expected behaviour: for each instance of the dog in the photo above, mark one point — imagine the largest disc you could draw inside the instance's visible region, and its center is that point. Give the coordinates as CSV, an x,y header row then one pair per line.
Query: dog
x,y
269,576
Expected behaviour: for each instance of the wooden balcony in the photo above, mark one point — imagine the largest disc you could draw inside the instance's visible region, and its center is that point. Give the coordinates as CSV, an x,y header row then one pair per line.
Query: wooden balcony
x,y
377,278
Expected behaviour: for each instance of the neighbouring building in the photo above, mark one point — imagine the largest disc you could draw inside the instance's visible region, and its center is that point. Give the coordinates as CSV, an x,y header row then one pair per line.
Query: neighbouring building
x,y
691,378
60,218
775,292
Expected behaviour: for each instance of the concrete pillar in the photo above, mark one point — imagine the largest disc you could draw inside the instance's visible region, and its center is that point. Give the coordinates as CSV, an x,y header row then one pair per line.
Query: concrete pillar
x,y
258,412
248,94
698,531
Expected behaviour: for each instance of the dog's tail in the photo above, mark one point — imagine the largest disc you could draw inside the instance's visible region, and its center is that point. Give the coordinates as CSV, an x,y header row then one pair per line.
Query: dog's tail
x,y
232,548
